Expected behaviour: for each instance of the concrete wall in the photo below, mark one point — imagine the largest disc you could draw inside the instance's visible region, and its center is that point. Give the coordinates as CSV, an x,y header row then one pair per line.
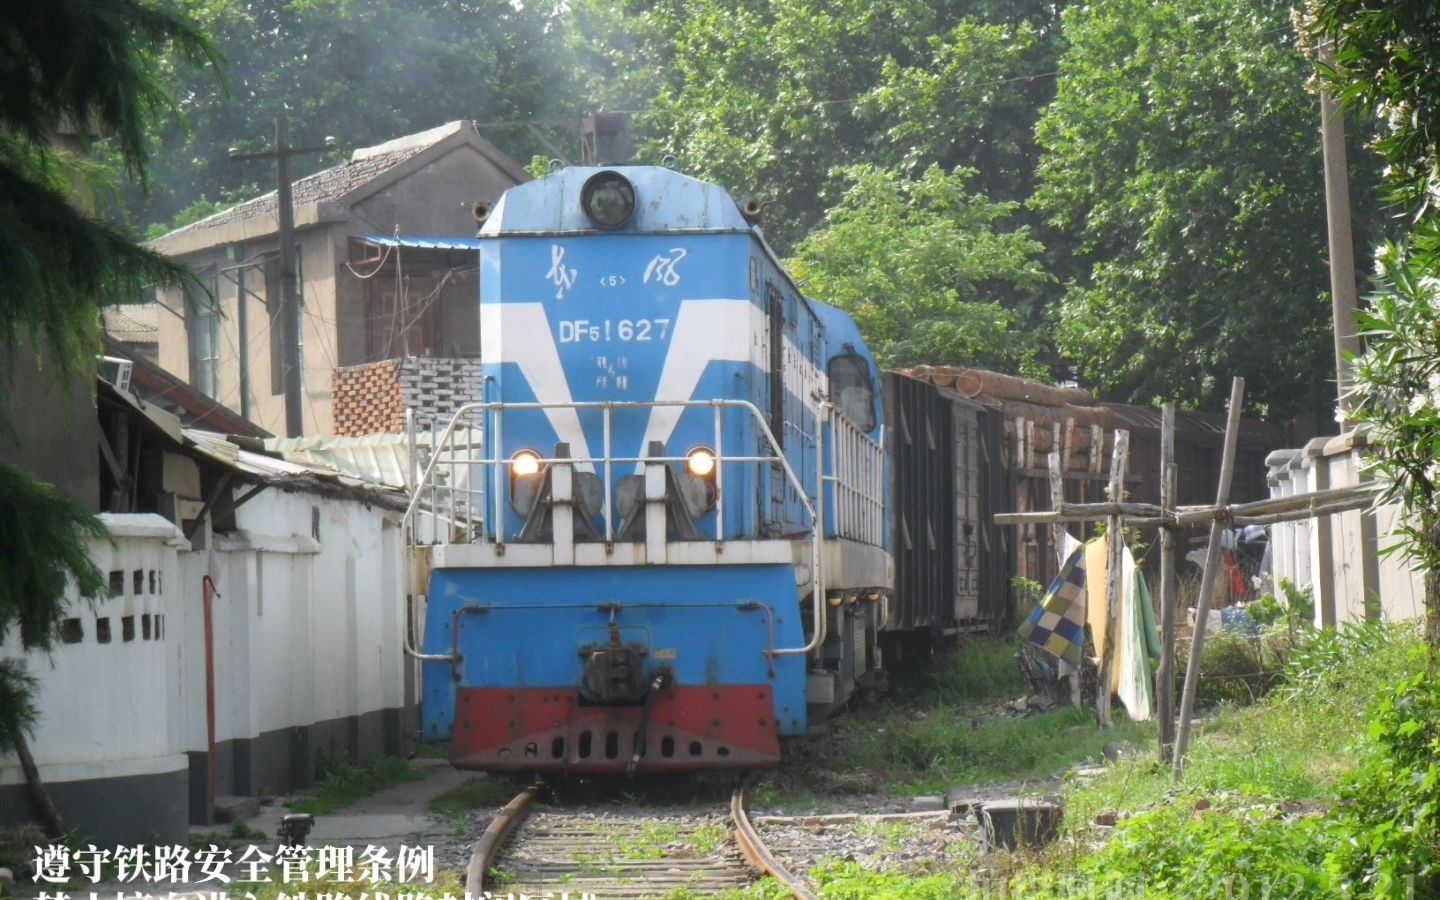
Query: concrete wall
x,y
111,717
308,658
1339,556
58,434
435,198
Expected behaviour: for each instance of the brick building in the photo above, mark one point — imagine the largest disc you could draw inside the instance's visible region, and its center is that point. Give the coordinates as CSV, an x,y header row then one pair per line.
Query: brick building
x,y
387,268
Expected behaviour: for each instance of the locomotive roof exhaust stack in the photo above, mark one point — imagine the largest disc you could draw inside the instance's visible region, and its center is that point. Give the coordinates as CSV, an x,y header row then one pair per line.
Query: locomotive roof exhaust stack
x,y
605,139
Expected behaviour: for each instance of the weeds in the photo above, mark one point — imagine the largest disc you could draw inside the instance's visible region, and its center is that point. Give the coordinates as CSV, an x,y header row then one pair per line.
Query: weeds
x,y
1272,801
346,782
978,670
923,751
475,793
707,839
894,836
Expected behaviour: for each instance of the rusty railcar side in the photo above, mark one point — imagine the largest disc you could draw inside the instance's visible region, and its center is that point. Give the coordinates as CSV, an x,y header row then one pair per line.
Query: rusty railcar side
x,y
945,470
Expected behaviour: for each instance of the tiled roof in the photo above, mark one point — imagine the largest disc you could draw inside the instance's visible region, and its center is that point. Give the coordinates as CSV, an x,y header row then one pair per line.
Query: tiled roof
x,y
136,322
336,182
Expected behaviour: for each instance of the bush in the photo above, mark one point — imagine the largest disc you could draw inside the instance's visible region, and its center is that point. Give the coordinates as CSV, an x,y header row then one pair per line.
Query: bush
x,y
1391,805
1179,851
1237,668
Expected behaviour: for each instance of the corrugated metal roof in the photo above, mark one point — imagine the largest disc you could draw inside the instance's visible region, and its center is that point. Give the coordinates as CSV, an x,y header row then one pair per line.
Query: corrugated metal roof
x,y
420,242
382,460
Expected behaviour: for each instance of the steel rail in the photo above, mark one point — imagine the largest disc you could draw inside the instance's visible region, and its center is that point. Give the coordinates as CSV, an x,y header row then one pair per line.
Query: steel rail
x,y
487,849
757,854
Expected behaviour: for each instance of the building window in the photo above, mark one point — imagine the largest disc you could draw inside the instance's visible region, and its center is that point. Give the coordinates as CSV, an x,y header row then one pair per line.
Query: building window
x,y
202,318
403,322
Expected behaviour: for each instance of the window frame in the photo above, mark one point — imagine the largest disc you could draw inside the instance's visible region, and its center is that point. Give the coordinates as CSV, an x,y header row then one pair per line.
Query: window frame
x,y
203,315
853,358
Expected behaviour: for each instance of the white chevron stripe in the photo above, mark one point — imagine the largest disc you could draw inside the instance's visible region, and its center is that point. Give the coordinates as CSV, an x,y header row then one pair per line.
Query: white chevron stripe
x,y
519,333
706,331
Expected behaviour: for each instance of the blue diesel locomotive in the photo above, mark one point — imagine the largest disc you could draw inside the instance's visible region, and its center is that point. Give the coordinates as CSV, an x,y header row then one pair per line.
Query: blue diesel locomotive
x,y
661,540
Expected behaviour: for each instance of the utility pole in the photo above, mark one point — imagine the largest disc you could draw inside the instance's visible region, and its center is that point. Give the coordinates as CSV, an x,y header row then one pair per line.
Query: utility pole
x,y
289,295
1343,302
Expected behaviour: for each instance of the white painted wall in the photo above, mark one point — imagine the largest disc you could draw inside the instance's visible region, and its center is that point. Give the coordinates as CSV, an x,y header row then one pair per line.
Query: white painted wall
x,y
112,709
306,630
1346,546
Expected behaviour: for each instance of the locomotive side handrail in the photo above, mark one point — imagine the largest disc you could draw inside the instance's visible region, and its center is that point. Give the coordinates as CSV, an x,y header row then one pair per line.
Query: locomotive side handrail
x,y
858,473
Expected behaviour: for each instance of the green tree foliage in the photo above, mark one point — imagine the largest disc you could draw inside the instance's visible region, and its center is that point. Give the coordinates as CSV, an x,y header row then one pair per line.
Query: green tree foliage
x,y
74,67
770,97
1397,394
1181,152
362,73
919,263
43,545
66,67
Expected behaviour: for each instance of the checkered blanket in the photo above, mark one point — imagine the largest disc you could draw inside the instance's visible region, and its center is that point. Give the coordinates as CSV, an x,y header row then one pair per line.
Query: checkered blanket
x,y
1058,624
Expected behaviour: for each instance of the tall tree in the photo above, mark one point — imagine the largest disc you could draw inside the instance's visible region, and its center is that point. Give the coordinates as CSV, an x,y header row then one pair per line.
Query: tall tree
x,y
921,262
362,73
1181,153
82,67
772,97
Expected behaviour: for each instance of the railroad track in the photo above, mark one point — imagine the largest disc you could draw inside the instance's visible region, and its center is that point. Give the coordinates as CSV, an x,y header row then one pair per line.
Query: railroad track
x,y
614,855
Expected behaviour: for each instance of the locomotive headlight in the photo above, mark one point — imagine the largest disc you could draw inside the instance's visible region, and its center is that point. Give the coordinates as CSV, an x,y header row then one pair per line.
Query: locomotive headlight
x,y
524,464
701,462
608,198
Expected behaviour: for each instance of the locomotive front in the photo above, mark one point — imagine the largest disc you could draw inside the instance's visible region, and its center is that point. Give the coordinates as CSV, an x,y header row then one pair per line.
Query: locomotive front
x,y
625,573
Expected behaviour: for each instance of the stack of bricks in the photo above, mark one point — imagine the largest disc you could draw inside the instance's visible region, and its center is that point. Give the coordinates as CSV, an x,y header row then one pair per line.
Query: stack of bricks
x,y
368,399
372,398
437,387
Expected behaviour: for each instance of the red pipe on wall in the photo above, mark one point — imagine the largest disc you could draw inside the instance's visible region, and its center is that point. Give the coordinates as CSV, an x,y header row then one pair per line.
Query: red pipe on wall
x,y
211,762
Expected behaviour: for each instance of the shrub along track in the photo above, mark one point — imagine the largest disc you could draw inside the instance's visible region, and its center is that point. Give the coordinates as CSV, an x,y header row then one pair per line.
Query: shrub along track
x,y
620,854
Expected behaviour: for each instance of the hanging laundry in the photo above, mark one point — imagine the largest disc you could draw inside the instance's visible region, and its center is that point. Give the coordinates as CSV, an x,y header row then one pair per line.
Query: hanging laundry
x,y
1058,623
1070,607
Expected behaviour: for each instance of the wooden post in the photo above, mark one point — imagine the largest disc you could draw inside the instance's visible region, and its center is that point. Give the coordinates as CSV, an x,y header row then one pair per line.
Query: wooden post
x,y
1057,497
1207,581
1115,537
1165,675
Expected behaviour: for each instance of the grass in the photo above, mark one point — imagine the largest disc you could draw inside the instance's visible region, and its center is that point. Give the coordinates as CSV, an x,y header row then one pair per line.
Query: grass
x,y
346,782
476,793
977,670
927,751
433,750
942,726
1264,783
1286,757
446,884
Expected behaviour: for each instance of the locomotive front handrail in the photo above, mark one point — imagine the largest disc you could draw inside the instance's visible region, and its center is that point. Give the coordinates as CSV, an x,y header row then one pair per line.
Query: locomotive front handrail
x,y
427,476
814,509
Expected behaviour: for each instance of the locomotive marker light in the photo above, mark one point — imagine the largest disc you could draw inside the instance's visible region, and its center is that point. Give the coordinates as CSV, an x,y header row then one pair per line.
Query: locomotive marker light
x,y
608,199
525,484
524,464
701,462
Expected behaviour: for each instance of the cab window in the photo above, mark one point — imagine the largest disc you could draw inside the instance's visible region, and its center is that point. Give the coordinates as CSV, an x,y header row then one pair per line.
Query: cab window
x,y
852,390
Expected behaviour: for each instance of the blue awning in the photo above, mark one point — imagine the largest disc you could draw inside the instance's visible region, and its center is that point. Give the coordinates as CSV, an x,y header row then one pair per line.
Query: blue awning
x,y
419,242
